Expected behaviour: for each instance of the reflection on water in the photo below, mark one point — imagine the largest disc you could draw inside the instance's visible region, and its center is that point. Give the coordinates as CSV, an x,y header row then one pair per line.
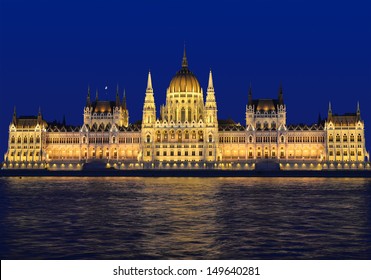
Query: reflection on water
x,y
185,218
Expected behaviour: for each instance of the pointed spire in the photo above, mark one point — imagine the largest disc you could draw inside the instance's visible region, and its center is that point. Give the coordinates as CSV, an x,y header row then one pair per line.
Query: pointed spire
x,y
250,95
39,116
124,100
280,95
329,112
14,120
184,61
88,101
358,109
211,84
96,95
117,96
149,81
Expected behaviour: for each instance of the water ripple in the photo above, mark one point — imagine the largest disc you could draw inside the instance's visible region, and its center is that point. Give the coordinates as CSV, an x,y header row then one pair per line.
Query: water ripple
x,y
185,218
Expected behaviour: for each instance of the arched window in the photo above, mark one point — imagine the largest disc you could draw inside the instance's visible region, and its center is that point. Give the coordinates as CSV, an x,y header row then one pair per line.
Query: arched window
x,y
345,138
148,138
189,115
37,140
337,137
83,140
359,138
113,139
331,138
210,138
273,126
351,138
182,115
250,139
186,136
25,139
258,125
31,140
200,136
282,139
12,140
158,136
265,125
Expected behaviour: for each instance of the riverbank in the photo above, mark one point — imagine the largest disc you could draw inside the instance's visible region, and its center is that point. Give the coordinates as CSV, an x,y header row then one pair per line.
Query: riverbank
x,y
110,172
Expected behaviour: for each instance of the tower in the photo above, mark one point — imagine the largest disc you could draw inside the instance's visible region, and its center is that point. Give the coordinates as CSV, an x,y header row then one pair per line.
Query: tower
x,y
124,111
210,105
211,120
249,108
149,107
148,122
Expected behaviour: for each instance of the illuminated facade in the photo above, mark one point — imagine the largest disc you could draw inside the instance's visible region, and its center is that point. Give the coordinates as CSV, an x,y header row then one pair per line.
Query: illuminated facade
x,y
187,134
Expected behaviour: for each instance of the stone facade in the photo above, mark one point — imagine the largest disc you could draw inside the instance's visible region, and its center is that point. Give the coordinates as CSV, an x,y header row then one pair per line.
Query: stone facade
x,y
187,134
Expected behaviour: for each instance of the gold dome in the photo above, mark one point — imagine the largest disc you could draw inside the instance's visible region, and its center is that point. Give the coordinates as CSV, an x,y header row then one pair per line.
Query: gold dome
x,y
184,80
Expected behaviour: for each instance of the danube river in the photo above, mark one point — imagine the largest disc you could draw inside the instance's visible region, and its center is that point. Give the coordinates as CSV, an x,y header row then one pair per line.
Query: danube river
x,y
185,218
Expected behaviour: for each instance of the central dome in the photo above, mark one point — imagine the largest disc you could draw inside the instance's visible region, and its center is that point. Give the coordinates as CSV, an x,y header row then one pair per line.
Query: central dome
x,y
184,80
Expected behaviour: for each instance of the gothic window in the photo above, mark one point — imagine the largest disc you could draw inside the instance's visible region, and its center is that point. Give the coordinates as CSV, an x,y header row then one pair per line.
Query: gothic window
x,y
265,125
250,139
113,139
200,136
172,134
83,140
282,139
273,125
189,115
258,125
186,135
331,138
12,140
182,115
31,140
345,138
351,138
193,134
37,140
179,136
359,138
337,138
210,138
148,138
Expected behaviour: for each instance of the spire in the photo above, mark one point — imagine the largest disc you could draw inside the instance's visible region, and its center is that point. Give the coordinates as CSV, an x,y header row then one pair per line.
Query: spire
x,y
149,81
280,95
117,96
124,100
96,95
14,120
329,113
211,85
39,116
88,102
250,95
358,109
184,61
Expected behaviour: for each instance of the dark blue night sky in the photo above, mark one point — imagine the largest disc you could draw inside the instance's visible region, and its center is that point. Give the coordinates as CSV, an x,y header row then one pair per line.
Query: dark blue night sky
x,y
50,51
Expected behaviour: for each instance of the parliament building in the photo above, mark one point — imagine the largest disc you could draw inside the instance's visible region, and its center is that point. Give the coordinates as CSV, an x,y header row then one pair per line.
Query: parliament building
x,y
187,134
